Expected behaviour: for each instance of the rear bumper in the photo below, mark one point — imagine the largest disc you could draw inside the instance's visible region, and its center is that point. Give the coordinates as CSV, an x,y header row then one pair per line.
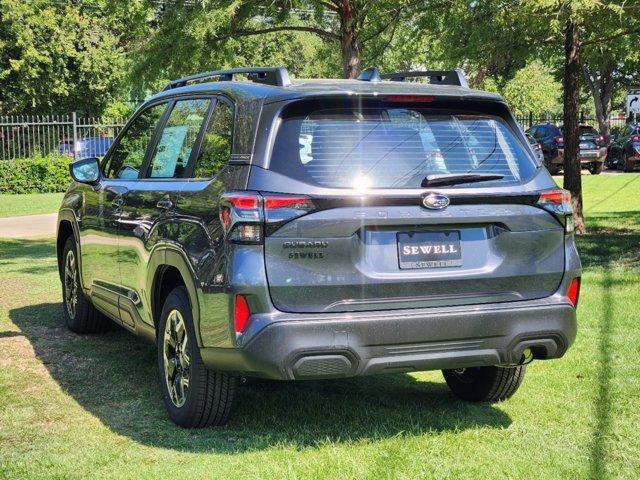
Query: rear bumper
x,y
585,156
305,346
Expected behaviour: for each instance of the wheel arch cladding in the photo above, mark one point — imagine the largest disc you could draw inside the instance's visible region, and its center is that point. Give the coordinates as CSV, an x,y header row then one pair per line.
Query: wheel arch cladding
x,y
65,230
170,273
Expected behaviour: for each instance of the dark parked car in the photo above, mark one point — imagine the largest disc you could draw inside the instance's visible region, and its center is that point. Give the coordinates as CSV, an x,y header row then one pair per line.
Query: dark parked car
x,y
624,153
311,229
86,147
592,146
537,148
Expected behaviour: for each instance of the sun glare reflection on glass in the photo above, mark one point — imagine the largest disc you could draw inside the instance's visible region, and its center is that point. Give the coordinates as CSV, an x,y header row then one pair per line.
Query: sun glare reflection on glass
x,y
361,184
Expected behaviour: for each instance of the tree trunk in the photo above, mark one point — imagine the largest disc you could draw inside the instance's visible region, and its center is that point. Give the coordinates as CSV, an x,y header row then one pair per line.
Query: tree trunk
x,y
349,40
572,171
601,88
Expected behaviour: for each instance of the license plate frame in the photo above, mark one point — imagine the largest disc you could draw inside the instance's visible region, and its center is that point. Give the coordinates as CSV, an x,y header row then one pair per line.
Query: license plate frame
x,y
429,249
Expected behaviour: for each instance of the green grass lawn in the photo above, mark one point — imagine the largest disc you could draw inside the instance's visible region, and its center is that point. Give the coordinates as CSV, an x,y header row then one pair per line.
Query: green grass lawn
x,y
88,406
29,204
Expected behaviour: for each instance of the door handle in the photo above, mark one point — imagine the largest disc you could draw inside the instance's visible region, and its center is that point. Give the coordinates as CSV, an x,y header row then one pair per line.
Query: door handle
x,y
165,204
117,190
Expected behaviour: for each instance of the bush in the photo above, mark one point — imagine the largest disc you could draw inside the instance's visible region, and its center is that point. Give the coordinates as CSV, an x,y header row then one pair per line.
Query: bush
x,y
33,175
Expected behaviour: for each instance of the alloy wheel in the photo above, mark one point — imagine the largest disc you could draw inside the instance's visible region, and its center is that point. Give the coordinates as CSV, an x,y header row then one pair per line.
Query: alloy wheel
x,y
177,369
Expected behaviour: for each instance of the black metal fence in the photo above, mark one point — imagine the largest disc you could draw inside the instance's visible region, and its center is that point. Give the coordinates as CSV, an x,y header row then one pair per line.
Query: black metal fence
x,y
25,136
527,120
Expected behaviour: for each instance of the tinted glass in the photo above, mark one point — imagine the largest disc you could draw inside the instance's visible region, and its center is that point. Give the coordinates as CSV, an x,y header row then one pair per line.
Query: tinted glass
x,y
216,143
171,156
128,155
394,147
587,130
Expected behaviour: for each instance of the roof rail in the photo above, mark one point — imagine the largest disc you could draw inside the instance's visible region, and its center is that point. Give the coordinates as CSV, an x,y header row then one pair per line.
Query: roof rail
x,y
436,77
278,76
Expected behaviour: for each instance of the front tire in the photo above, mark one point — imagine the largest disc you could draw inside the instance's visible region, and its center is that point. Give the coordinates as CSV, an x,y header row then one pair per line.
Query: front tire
x,y
80,314
485,384
194,396
596,168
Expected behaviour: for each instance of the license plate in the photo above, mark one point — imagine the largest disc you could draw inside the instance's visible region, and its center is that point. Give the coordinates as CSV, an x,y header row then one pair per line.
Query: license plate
x,y
586,146
429,249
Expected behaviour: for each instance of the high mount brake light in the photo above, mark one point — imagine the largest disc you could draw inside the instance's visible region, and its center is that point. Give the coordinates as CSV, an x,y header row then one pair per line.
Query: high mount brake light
x,y
558,202
573,293
409,98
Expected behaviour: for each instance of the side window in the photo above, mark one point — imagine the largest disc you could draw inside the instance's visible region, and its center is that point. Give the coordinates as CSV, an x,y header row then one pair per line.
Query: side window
x,y
128,155
171,156
216,143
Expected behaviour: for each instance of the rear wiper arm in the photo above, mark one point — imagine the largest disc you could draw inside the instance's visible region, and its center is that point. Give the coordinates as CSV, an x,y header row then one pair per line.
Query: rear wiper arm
x,y
456,178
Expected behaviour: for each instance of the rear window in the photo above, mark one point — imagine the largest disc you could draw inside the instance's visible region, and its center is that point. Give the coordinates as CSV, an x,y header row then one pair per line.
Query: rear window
x,y
586,130
395,146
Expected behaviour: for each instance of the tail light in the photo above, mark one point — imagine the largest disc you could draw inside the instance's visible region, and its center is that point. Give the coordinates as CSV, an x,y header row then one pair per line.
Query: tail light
x,y
247,216
573,294
559,140
558,202
537,147
599,139
635,138
241,313
240,217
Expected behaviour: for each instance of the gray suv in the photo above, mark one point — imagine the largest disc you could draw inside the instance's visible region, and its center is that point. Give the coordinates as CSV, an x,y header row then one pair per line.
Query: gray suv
x,y
308,229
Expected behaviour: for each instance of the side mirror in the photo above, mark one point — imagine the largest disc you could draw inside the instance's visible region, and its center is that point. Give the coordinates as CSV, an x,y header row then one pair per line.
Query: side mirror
x,y
86,170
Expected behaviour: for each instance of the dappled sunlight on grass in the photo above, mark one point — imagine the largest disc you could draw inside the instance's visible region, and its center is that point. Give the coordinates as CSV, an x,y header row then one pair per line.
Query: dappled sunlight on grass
x,y
83,406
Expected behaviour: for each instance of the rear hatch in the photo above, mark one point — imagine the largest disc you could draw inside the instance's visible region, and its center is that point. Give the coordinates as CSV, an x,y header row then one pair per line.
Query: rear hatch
x,y
590,140
373,238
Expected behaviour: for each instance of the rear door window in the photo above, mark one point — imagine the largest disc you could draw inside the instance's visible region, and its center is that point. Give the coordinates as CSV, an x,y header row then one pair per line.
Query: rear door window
x,y
216,142
173,151
395,147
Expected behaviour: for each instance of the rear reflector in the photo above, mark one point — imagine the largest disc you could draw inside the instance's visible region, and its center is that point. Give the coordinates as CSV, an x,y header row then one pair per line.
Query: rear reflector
x,y
241,313
574,291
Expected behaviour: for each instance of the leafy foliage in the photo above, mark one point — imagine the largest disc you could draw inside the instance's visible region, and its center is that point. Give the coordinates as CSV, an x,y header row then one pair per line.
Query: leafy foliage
x,y
534,89
38,174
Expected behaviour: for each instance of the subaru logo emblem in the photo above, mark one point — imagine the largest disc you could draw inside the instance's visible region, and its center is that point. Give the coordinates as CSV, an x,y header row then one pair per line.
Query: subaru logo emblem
x,y
435,201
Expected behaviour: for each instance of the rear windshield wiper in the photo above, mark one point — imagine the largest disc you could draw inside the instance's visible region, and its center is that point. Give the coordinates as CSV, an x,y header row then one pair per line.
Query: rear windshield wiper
x,y
456,178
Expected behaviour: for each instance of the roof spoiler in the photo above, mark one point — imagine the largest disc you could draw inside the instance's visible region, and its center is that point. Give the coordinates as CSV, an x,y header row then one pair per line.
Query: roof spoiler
x,y
277,76
436,77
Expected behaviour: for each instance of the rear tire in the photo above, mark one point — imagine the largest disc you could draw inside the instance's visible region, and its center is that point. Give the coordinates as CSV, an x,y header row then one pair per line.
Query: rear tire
x,y
485,384
627,166
194,396
79,313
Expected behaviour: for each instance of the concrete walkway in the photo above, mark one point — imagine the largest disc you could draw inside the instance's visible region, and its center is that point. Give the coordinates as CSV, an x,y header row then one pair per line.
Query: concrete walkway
x,y
28,226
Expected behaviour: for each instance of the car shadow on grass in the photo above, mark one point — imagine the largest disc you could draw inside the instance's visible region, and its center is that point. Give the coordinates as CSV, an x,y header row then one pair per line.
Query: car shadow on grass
x,y
113,376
